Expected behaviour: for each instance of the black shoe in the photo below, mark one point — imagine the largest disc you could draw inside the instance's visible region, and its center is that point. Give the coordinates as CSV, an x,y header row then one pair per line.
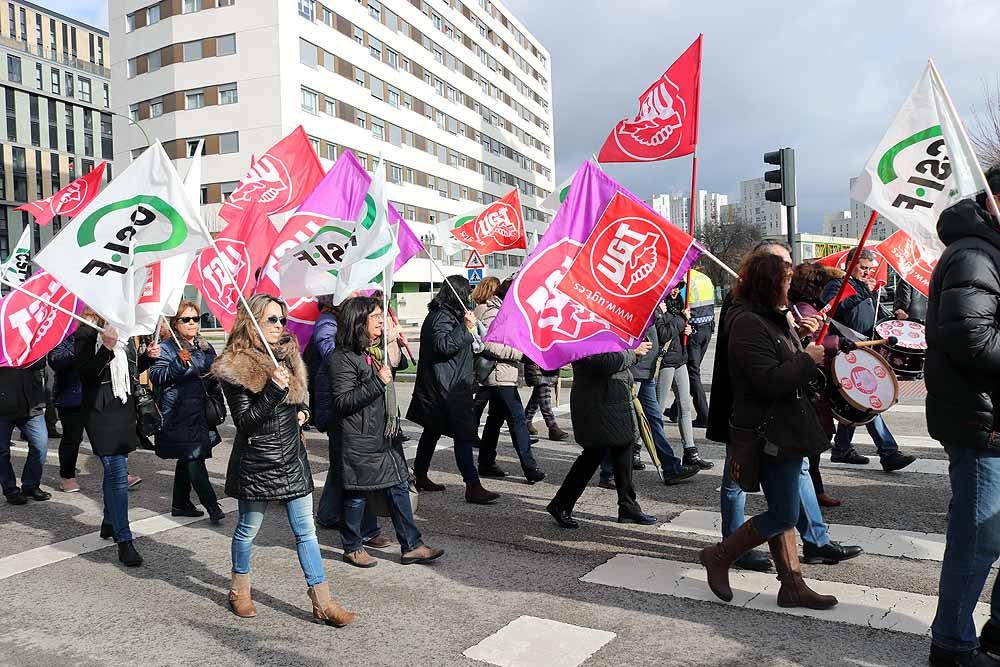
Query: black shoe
x,y
563,517
975,658
989,639
216,515
107,531
693,458
492,470
35,493
607,484
753,560
699,423
685,472
637,464
850,456
328,526
828,554
16,499
640,518
897,461
533,440
186,511
127,554
534,475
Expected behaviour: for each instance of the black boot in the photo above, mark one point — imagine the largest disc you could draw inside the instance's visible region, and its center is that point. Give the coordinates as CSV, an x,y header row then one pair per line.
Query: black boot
x,y
107,530
693,457
975,658
989,640
127,554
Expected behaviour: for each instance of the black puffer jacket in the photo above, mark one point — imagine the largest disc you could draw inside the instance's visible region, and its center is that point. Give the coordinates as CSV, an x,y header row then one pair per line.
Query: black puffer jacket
x,y
962,370
720,409
601,400
675,353
68,390
770,374
22,392
442,393
659,332
910,301
856,311
268,461
180,396
370,460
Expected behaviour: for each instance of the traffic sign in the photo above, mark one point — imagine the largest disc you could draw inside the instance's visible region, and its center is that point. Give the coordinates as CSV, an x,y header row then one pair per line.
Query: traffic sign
x,y
475,276
475,262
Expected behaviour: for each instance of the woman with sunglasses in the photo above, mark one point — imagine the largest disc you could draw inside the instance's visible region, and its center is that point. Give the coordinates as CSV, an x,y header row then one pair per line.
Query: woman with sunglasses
x,y
268,463
183,387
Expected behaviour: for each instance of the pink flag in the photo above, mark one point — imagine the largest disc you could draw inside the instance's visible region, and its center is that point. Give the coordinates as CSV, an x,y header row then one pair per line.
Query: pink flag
x,y
409,245
30,329
69,201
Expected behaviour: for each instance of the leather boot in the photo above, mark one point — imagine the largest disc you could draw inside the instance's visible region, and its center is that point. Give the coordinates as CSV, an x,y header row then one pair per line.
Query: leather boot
x,y
326,610
423,483
239,596
558,435
793,591
532,429
718,559
477,495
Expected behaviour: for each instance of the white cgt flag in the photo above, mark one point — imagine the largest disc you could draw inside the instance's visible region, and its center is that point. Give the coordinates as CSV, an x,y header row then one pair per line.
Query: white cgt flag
x,y
142,217
14,270
924,164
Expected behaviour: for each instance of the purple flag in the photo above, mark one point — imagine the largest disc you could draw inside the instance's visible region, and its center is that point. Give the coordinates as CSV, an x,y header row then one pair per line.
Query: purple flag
x,y
541,321
409,245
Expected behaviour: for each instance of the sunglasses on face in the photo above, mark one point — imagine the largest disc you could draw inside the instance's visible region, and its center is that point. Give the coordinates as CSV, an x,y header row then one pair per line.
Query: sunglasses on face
x,y
274,319
187,320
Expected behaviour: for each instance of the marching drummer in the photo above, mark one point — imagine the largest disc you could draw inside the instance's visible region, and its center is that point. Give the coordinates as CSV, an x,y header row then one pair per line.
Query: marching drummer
x,y
857,311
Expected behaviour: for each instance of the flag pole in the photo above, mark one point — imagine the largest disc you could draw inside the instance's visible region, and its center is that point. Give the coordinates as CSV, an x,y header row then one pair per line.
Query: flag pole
x,y
18,288
847,278
718,261
444,278
694,177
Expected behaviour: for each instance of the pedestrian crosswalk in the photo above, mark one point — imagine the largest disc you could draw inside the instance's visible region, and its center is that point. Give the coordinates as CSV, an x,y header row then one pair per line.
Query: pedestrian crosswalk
x,y
528,641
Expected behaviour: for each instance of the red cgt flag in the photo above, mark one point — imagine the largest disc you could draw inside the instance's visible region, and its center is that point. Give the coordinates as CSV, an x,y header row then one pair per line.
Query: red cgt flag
x,y
903,253
666,125
838,260
69,201
500,226
278,181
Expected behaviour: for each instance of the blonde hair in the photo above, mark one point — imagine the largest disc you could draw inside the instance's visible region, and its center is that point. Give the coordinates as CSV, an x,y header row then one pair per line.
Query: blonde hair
x,y
485,290
244,333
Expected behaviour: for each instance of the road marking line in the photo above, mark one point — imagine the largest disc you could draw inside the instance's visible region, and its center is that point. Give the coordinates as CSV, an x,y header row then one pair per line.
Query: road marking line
x,y
878,541
878,608
529,641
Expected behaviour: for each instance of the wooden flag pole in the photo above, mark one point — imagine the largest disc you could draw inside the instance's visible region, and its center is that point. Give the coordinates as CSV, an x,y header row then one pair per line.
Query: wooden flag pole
x,y
694,191
850,270
18,288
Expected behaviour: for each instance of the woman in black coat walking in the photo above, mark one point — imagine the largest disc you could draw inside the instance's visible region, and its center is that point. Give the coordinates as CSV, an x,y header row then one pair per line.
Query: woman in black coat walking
x,y
269,463
770,373
365,429
443,393
183,388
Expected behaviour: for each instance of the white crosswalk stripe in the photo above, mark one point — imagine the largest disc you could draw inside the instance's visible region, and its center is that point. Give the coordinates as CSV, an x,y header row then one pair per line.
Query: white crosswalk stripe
x,y
528,641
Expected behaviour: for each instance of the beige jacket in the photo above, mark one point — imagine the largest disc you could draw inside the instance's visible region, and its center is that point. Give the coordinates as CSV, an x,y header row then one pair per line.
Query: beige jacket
x,y
505,374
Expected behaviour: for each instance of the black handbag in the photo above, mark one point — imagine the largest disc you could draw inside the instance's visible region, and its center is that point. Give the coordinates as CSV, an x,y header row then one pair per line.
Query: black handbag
x,y
745,448
149,419
215,406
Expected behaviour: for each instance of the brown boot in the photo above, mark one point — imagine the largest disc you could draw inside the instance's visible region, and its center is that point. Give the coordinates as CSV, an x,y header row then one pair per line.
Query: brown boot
x,y
239,596
718,559
793,591
477,495
423,483
422,554
326,610
532,429
558,435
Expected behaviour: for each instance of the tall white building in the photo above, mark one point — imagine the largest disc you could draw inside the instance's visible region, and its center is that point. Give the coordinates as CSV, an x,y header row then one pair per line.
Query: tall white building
x,y
837,223
769,216
454,96
730,214
676,208
859,218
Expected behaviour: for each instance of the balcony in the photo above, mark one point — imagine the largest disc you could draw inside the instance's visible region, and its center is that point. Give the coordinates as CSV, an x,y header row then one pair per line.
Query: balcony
x,y
65,61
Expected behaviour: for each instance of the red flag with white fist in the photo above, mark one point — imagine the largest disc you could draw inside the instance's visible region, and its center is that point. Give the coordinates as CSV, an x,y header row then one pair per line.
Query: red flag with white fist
x,y
30,329
903,253
69,201
500,226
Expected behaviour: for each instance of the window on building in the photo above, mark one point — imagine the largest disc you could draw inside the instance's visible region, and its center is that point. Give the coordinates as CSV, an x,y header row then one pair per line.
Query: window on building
x,y
130,68
129,22
154,61
225,45
11,114
152,15
36,129
307,9
359,118
228,188
331,151
191,6
53,128
395,173
392,58
194,99
310,101
192,51
308,54
14,69
107,96
69,84
378,130
228,94
229,142
85,92
374,10
192,146
226,3
374,48
133,113
359,36
393,97
314,142
156,107
329,106
38,76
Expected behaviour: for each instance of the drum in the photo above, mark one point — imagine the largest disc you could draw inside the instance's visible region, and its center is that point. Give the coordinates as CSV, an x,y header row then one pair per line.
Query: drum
x,y
907,356
862,386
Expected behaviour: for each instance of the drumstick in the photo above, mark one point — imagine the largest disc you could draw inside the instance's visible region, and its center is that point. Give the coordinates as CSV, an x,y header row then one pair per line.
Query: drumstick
x,y
891,340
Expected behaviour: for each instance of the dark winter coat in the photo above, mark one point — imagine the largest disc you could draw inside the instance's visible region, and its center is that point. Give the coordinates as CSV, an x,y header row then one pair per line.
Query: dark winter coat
x,y
110,424
316,358
535,376
22,392
720,408
770,374
268,461
180,396
962,370
371,460
910,301
675,354
442,394
601,400
660,331
67,392
856,311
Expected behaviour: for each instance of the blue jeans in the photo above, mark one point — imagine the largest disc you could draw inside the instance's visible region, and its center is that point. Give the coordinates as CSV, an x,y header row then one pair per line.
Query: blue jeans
x,y
810,524
37,435
505,404
300,519
463,457
400,510
115,487
670,464
884,442
972,546
331,502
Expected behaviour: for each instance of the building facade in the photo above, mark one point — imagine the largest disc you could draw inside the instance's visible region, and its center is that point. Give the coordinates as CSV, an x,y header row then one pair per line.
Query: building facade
x,y
57,102
676,208
769,216
860,213
455,97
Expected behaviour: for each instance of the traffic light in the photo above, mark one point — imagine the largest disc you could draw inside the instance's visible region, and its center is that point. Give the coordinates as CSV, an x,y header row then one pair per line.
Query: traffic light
x,y
784,176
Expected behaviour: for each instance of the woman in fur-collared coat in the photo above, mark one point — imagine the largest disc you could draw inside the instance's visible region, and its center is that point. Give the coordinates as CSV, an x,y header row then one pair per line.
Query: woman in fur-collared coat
x,y
269,462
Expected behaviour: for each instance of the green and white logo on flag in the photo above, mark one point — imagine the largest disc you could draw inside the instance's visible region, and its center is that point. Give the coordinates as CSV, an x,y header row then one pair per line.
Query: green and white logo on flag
x,y
14,270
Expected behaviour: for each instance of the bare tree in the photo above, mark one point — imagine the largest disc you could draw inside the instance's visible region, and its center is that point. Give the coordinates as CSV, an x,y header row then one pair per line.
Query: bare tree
x,y
730,243
986,133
